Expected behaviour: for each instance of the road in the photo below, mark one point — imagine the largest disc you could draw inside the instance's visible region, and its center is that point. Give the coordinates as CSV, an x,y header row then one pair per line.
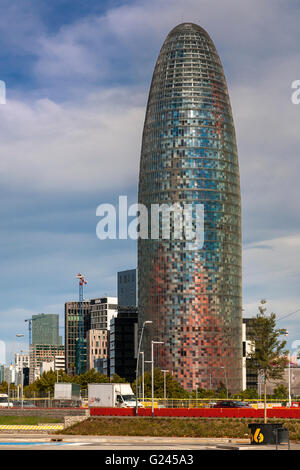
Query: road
x,y
126,443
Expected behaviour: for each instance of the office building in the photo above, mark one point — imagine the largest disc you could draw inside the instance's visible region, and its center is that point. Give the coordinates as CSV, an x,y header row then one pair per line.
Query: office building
x,y
21,361
189,284
7,374
123,343
97,347
46,367
250,380
45,329
40,353
72,331
102,310
97,314
59,363
127,287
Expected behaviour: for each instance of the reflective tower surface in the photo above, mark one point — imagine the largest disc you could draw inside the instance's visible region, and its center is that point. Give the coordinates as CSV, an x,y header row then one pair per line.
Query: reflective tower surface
x,y
189,156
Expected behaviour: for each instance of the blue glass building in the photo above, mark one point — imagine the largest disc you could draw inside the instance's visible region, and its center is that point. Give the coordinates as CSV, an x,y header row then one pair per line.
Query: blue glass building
x,y
189,156
127,288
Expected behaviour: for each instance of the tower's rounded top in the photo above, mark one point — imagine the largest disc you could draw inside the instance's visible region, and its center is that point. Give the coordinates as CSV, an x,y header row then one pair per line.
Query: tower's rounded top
x,y
185,27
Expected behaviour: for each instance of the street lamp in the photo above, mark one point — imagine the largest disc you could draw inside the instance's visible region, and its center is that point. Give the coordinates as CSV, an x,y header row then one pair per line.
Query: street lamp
x,y
143,375
165,387
137,364
222,367
285,332
152,373
18,335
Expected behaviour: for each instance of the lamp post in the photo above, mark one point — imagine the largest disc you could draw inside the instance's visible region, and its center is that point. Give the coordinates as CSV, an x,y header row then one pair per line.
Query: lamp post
x,y
165,385
137,364
290,395
222,367
143,375
284,332
18,335
152,372
259,384
22,385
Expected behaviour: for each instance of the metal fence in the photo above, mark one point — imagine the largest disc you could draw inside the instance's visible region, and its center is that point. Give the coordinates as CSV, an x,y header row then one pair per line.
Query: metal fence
x,y
209,402
46,400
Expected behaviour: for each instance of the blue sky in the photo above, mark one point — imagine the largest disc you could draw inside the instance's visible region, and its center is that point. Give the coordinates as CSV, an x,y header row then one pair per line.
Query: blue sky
x,y
78,75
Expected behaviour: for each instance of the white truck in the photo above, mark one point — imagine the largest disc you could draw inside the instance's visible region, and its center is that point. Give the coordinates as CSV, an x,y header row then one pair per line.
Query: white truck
x,y
66,391
111,395
67,394
5,402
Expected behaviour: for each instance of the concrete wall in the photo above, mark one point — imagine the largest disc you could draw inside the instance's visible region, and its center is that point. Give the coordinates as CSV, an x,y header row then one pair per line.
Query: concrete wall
x,y
46,412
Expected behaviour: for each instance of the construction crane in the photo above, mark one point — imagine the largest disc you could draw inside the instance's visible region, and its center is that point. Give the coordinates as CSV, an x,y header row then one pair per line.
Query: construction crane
x,y
80,344
30,320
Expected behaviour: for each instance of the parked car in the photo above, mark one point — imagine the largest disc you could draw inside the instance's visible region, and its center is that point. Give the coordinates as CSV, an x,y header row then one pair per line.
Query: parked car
x,y
211,404
232,404
26,404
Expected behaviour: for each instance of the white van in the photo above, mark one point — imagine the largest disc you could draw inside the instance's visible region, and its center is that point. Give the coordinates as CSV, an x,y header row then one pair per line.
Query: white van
x,y
112,395
4,403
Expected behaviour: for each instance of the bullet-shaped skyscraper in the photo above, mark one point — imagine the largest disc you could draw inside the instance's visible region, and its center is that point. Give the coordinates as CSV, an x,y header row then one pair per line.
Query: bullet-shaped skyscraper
x,y
190,292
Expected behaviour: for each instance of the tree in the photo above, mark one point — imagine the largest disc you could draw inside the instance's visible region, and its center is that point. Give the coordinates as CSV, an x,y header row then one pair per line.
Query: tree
x,y
173,389
280,391
203,393
3,387
116,379
269,357
46,382
222,391
90,377
248,394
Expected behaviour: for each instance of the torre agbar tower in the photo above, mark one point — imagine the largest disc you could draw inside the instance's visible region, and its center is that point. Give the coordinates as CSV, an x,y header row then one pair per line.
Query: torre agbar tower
x,y
189,156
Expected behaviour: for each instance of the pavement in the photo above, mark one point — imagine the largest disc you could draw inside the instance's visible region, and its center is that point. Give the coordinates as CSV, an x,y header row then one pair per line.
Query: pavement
x,y
126,443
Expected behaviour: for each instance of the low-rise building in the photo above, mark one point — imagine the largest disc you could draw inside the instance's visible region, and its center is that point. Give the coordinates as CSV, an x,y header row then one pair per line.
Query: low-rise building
x,y
40,353
249,377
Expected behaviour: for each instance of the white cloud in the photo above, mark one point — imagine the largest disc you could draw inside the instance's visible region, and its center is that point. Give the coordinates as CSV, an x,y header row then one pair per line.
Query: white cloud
x,y
67,147
271,270
273,260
